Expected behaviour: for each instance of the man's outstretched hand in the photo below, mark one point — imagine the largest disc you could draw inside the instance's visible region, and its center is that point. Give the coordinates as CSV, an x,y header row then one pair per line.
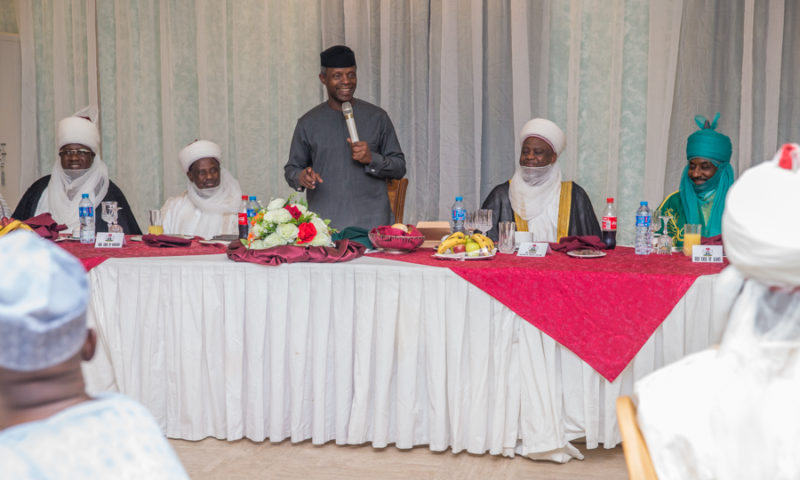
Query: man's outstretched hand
x,y
309,178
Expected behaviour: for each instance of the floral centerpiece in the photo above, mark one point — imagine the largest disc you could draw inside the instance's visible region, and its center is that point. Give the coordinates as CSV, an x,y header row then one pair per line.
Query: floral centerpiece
x,y
288,222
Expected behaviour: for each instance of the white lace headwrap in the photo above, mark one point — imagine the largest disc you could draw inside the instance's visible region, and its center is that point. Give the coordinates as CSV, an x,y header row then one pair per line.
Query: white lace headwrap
x,y
535,191
63,192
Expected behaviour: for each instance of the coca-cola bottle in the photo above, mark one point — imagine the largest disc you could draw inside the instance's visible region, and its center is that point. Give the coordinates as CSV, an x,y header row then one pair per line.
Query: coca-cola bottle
x,y
244,225
609,224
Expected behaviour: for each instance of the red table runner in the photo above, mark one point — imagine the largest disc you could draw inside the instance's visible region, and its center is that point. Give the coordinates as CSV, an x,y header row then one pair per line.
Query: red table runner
x,y
92,257
602,309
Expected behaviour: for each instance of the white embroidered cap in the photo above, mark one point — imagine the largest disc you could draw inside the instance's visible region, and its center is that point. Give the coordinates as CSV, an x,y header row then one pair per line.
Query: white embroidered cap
x,y
43,298
547,131
197,150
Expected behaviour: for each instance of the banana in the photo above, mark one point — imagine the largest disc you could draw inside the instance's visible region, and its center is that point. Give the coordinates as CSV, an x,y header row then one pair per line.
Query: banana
x,y
459,235
486,243
449,242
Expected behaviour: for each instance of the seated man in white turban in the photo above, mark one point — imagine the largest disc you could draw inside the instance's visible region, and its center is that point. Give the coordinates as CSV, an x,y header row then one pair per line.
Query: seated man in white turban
x,y
535,198
210,204
49,426
78,170
732,412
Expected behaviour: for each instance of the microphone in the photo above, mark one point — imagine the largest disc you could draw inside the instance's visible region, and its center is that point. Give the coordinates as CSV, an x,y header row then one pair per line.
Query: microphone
x,y
347,110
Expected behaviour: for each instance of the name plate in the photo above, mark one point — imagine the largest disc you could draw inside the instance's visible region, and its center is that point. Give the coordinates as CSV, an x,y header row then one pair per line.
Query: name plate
x,y
707,253
109,240
533,249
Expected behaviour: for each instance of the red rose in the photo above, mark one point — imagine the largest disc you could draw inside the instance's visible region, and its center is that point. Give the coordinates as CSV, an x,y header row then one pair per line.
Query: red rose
x,y
294,211
307,232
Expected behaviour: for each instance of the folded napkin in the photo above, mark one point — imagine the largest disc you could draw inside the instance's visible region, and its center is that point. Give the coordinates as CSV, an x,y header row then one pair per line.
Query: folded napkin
x,y
45,226
568,244
715,240
343,251
166,241
354,234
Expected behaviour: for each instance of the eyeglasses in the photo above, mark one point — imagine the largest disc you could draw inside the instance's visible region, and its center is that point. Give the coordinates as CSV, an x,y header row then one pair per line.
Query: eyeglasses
x,y
69,153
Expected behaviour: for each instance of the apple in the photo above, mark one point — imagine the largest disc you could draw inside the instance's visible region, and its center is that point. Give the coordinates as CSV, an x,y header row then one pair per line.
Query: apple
x,y
472,248
460,248
400,226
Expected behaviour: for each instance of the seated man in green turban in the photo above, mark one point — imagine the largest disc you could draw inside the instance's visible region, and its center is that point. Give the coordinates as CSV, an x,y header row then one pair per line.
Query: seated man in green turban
x,y
704,184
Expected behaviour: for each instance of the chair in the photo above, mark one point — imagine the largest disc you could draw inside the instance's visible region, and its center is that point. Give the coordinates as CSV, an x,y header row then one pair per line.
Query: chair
x,y
637,456
397,197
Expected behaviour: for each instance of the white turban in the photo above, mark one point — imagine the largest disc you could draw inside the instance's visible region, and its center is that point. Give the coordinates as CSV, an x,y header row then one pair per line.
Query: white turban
x,y
197,150
43,297
547,131
78,130
760,229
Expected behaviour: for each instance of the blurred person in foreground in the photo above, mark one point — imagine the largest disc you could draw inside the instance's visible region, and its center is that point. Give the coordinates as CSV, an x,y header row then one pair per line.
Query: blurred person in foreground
x,y
210,204
732,412
49,427
700,200
79,169
535,198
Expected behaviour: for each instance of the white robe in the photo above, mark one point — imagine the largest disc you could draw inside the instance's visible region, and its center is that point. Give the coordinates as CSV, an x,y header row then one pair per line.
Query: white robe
x,y
180,216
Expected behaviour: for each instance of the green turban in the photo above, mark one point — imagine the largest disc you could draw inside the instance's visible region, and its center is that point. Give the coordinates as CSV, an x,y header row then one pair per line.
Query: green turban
x,y
716,147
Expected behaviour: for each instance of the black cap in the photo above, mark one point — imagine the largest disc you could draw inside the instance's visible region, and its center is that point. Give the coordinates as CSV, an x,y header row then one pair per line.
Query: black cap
x,y
338,56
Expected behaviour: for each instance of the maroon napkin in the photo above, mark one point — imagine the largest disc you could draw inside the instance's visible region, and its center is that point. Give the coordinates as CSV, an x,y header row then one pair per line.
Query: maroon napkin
x,y
45,226
344,251
715,240
568,244
165,241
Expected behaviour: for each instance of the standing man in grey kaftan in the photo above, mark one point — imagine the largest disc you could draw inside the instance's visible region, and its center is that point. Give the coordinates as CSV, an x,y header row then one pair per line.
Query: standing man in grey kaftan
x,y
345,181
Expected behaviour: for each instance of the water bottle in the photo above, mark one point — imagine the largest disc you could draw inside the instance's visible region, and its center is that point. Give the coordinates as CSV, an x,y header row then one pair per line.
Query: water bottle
x,y
244,224
643,243
458,216
252,209
609,224
86,214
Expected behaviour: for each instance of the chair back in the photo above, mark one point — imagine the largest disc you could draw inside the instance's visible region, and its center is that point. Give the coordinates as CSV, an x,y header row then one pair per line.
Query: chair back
x,y
637,456
397,197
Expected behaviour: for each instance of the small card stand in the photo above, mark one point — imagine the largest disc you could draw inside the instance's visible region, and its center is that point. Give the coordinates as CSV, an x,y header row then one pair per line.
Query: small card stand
x,y
109,240
707,253
533,249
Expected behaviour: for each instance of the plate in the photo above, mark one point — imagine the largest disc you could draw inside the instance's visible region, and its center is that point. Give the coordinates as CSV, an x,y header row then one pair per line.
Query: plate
x,y
586,253
463,256
135,238
214,242
67,238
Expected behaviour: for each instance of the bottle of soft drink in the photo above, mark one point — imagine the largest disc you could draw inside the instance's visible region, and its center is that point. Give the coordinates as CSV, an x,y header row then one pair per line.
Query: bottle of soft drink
x,y
244,224
86,214
458,216
643,243
609,224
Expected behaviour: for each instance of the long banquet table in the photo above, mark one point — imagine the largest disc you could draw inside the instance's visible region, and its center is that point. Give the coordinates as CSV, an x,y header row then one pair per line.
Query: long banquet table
x,y
373,350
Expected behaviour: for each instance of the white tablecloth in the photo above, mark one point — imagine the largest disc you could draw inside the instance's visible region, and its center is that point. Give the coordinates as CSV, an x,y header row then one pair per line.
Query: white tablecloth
x,y
366,351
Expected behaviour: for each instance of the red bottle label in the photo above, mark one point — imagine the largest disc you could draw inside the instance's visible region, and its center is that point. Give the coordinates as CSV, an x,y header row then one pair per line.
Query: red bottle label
x,y
242,218
609,223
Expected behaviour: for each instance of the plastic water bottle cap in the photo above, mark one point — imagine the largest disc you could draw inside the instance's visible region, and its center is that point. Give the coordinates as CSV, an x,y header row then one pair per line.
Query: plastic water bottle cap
x,y
642,203
84,195
253,198
458,199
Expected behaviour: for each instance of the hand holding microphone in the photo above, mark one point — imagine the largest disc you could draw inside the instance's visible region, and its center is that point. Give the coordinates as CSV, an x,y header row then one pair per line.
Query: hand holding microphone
x,y
360,150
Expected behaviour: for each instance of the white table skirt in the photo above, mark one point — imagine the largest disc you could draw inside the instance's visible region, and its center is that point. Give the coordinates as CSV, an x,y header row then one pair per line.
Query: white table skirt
x,y
366,351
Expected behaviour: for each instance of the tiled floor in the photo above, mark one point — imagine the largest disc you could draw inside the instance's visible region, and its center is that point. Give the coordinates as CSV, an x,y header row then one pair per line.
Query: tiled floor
x,y
243,459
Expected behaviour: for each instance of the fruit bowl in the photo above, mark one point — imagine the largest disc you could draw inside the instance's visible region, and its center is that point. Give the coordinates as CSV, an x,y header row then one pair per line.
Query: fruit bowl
x,y
390,243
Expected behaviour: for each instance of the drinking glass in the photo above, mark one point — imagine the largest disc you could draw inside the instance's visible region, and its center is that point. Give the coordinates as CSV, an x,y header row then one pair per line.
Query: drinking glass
x,y
469,222
691,237
483,220
109,212
506,231
156,227
664,245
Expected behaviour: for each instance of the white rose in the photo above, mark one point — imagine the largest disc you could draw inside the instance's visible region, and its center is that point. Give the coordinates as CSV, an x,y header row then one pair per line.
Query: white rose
x,y
320,225
287,231
257,245
278,216
321,240
276,204
257,229
273,240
